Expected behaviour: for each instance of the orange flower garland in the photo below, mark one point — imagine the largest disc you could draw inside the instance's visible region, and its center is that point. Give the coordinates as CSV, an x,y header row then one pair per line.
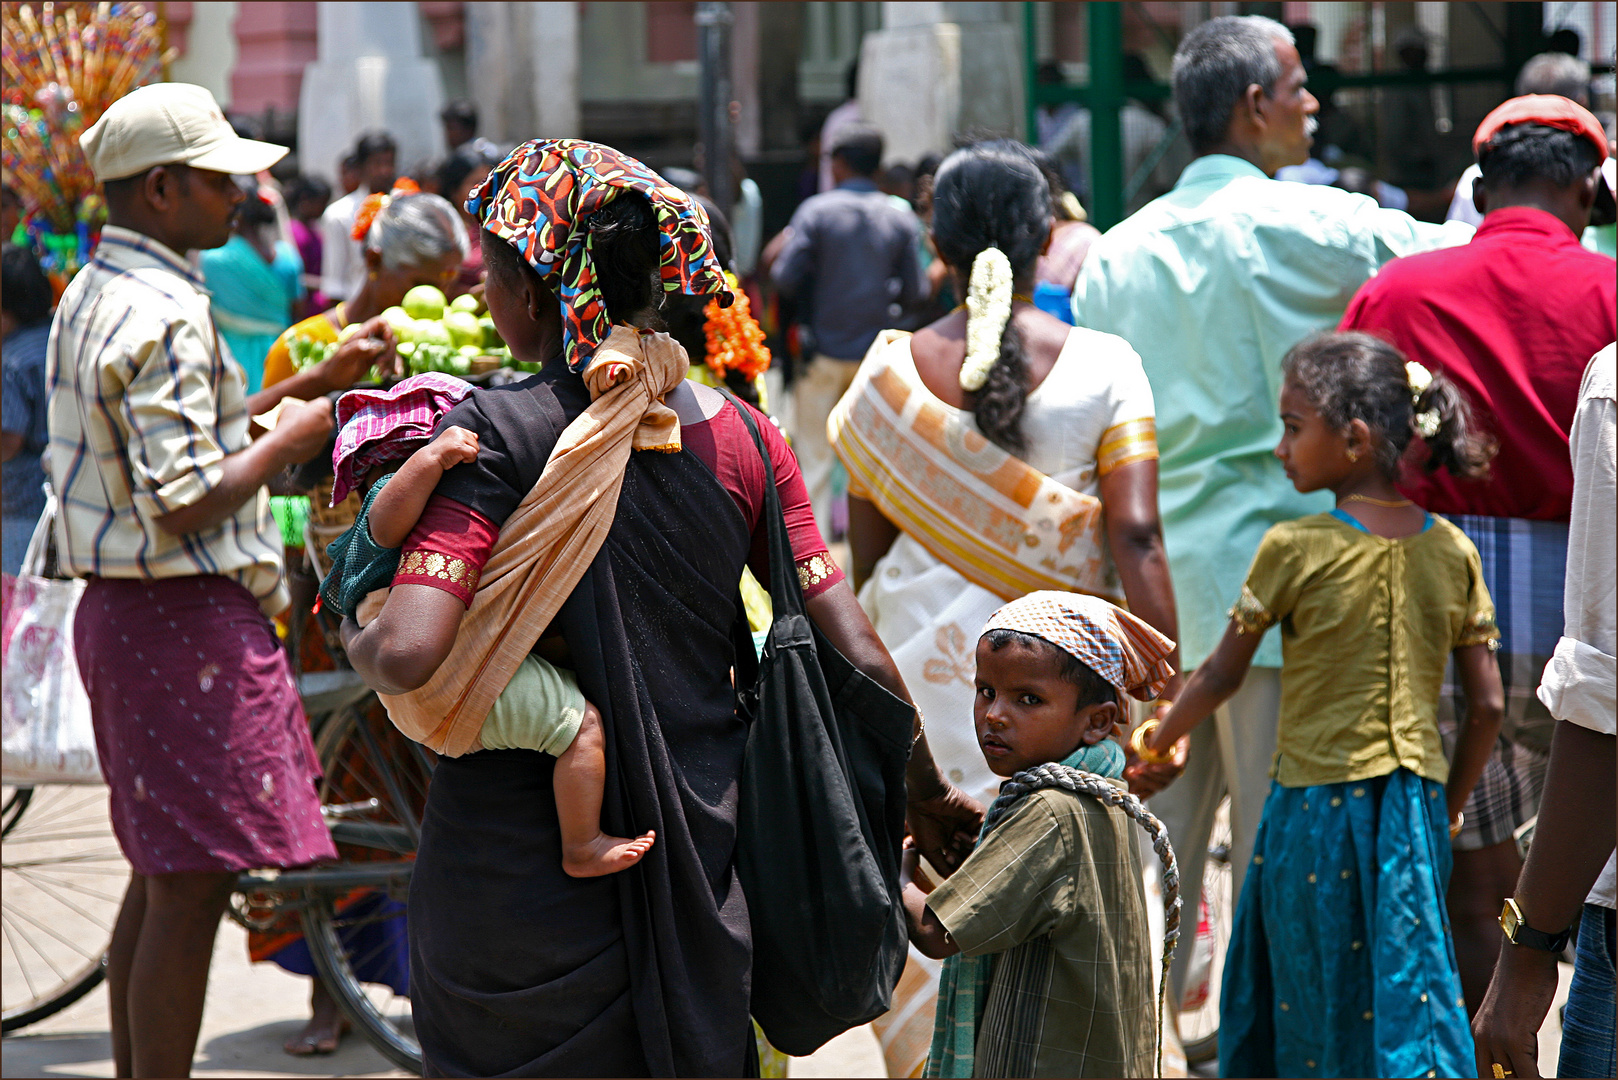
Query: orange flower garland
x,y
735,342
374,204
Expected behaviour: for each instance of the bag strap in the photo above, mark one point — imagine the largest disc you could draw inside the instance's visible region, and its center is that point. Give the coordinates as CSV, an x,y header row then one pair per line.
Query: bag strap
x,y
33,559
785,593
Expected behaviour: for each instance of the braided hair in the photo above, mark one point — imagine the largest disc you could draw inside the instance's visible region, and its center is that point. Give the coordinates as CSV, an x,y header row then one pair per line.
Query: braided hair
x,y
1055,775
990,195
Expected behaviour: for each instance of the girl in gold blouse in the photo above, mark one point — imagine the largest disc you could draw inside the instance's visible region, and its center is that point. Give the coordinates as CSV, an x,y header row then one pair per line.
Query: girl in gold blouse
x,y
1341,962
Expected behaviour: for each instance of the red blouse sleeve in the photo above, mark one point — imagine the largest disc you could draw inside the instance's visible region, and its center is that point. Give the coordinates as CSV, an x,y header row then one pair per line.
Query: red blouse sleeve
x,y
816,570
447,549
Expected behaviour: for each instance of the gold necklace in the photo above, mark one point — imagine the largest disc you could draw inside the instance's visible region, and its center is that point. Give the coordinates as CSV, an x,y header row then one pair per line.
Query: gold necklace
x,y
1389,503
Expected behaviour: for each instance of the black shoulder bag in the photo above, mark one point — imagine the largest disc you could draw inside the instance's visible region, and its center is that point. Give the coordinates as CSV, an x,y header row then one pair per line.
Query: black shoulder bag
x,y
821,818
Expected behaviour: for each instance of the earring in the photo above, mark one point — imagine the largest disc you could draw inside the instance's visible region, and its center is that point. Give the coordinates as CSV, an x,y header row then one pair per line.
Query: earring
x,y
1353,455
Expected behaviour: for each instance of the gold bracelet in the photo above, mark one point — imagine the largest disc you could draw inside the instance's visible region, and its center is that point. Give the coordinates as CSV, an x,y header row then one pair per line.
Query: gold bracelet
x,y
1137,743
921,729
1456,823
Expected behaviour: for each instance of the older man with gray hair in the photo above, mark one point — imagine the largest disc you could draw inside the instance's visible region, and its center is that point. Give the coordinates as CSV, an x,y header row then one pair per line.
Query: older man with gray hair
x,y
1211,284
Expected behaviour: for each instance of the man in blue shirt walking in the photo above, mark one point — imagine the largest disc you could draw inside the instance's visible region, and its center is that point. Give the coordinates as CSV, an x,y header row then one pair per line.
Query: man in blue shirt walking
x,y
851,257
1212,284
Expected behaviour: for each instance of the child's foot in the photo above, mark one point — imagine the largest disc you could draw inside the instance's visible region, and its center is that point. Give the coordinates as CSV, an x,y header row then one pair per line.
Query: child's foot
x,y
605,855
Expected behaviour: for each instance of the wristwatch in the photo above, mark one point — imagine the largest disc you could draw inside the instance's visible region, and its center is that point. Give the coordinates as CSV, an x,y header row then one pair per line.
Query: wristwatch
x,y
1518,932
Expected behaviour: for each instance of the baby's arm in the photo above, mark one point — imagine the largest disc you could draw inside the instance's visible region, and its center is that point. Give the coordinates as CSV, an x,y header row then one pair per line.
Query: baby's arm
x,y
1217,679
399,505
926,931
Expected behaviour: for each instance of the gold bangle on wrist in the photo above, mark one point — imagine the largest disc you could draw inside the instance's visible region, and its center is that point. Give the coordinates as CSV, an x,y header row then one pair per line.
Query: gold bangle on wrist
x,y
1137,743
1455,824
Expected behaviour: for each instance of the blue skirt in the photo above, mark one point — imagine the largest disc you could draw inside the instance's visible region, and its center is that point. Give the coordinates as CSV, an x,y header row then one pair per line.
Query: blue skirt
x,y
1341,962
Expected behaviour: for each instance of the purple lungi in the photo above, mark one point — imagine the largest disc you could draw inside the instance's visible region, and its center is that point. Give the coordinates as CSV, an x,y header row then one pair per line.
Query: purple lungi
x,y
202,738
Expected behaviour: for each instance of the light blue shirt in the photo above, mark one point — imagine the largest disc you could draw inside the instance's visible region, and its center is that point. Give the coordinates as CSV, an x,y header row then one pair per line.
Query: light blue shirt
x,y
1212,284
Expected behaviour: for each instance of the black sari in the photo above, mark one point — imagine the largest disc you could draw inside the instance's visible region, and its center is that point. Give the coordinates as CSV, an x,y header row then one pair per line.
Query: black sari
x,y
516,968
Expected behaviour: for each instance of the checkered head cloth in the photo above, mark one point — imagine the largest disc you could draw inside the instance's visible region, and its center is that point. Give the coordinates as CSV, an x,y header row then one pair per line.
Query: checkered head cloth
x,y
377,426
1108,640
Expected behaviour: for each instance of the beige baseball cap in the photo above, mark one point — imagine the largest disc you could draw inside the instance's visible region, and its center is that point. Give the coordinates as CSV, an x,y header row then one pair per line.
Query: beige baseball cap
x,y
171,124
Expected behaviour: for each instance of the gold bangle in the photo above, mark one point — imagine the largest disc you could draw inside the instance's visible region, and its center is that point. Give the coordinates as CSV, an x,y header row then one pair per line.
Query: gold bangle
x,y
1456,823
921,729
1137,743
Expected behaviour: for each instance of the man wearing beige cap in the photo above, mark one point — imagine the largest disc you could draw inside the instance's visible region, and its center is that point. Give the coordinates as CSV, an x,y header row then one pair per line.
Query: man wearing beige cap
x,y
201,737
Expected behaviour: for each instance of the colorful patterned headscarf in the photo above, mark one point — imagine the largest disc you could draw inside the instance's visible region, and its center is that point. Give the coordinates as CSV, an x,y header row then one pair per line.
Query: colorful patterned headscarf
x,y
539,200
1106,639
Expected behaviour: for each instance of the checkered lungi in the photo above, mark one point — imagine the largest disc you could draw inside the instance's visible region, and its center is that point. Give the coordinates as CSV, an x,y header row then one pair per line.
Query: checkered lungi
x,y
1524,565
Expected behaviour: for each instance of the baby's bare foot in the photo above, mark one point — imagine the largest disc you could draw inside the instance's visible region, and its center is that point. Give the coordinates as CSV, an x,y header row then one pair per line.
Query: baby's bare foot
x,y
605,855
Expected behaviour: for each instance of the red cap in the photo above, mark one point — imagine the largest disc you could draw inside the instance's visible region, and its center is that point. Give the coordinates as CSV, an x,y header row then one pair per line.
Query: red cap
x,y
1552,110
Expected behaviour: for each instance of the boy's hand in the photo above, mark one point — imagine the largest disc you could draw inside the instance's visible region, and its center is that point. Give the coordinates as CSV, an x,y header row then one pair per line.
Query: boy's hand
x,y
454,446
945,827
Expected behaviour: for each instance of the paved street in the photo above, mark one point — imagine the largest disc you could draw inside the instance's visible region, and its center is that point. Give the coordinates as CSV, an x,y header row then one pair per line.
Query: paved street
x,y
253,1008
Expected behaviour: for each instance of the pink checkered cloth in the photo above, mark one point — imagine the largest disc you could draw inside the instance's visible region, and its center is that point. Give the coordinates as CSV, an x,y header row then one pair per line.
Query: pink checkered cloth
x,y
1108,640
378,426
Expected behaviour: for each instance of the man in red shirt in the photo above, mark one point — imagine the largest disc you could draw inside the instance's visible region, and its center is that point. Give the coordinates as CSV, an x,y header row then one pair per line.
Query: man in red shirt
x,y
1513,317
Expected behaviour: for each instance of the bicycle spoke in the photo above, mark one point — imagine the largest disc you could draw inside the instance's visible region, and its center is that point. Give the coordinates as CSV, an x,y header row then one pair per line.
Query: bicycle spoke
x,y
5,924
36,882
43,955
18,913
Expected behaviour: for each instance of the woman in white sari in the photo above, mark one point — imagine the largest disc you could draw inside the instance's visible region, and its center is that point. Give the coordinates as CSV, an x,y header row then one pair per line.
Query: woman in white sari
x,y
996,452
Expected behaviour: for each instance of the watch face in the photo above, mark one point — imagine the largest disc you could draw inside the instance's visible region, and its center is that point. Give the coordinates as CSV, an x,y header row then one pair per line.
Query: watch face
x,y
1510,921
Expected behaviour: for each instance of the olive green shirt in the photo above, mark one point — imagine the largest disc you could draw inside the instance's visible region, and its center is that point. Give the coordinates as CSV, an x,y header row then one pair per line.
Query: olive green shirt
x,y
1055,890
1367,626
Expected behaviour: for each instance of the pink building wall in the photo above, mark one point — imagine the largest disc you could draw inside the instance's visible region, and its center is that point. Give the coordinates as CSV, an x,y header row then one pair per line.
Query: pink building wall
x,y
274,42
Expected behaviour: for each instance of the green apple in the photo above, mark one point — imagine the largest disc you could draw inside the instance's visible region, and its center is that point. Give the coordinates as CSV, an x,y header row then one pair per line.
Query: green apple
x,y
463,328
431,333
464,302
425,302
349,331
491,336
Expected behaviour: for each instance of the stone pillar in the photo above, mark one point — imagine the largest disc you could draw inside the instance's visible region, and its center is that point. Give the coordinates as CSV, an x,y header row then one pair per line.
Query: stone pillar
x,y
937,70
370,74
274,43
522,70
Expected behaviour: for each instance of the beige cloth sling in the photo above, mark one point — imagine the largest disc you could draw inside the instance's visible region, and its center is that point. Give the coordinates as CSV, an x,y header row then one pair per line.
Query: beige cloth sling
x,y
551,538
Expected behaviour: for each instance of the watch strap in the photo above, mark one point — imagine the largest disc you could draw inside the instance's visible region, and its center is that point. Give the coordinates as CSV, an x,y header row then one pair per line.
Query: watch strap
x,y
1523,934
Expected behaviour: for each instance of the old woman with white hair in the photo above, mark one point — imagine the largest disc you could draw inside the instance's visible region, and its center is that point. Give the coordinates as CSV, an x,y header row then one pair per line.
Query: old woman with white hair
x,y
411,238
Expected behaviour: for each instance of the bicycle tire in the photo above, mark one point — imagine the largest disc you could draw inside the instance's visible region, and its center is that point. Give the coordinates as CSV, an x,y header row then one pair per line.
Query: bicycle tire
x,y
373,789
321,930
72,991
63,884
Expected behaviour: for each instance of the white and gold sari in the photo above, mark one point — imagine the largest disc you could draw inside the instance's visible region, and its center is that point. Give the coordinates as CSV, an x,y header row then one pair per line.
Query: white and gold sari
x,y
979,527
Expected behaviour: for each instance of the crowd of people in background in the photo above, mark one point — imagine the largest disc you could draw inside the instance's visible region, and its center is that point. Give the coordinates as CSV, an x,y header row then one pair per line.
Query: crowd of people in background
x,y
1271,398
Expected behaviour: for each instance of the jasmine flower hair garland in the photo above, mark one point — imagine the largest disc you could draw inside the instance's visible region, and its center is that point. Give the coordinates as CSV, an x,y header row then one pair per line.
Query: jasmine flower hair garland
x,y
988,307
1426,423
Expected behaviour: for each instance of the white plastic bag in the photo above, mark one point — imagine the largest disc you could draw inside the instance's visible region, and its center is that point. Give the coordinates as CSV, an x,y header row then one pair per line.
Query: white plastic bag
x,y
45,732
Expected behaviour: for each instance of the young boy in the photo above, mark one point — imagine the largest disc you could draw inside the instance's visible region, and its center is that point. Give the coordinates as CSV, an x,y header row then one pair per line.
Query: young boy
x,y
383,450
1048,969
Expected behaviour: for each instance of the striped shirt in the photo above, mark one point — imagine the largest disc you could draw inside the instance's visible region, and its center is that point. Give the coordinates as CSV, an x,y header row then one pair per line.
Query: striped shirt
x,y
145,404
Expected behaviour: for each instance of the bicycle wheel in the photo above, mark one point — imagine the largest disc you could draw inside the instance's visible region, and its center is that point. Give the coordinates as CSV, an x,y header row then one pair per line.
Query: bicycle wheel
x,y
1199,1007
374,789
62,880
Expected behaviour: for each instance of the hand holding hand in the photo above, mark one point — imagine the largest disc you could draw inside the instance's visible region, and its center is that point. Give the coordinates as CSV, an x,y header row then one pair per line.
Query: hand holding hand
x,y
302,429
944,827
1146,779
